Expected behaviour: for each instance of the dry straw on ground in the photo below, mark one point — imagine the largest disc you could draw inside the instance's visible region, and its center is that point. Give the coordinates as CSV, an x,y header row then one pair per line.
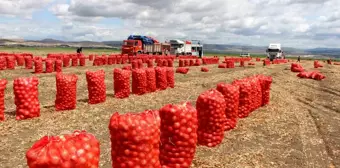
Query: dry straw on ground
x,y
300,127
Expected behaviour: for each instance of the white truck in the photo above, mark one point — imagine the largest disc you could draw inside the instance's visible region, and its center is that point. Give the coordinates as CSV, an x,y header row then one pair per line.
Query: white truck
x,y
179,47
274,51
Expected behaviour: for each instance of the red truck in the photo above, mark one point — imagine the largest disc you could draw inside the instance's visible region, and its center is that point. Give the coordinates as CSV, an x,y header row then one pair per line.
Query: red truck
x,y
134,47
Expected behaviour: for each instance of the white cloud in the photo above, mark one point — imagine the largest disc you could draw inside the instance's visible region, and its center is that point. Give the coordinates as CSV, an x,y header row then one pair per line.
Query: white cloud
x,y
23,8
296,23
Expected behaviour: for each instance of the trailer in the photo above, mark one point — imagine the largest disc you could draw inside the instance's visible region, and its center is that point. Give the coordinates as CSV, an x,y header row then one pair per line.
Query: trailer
x,y
136,44
186,47
157,48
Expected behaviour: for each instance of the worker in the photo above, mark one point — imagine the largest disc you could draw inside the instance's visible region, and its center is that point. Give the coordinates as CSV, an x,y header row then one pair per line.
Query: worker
x,y
80,50
298,59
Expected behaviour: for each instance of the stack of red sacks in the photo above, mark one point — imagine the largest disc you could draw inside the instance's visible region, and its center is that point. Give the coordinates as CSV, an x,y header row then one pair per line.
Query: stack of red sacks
x,y
311,75
296,67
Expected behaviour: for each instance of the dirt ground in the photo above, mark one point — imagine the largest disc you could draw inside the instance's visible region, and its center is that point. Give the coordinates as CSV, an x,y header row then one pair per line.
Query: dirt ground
x,y
299,129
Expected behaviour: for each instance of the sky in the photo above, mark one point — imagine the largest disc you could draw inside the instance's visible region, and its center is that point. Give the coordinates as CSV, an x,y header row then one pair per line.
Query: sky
x,y
293,23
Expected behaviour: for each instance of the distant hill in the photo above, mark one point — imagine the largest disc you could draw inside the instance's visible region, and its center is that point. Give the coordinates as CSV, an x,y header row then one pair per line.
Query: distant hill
x,y
55,43
248,49
214,48
325,51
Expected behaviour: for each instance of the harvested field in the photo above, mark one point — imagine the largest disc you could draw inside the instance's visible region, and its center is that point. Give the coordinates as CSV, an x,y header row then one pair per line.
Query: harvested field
x,y
300,127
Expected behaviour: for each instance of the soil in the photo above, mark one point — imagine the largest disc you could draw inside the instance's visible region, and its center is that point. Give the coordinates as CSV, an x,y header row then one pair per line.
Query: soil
x,y
299,128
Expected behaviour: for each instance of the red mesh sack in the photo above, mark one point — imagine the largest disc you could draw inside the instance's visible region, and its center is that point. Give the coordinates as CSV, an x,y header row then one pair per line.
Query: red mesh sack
x,y
26,98
241,63
198,62
119,60
178,135
140,64
77,150
139,81
124,60
82,61
204,69
244,107
150,63
165,63
96,86
121,83
104,60
38,66
170,77
222,65
49,67
91,57
182,70
66,98
192,63
3,63
20,60
3,83
151,79
58,66
256,92
135,139
10,62
210,107
186,63
159,63
181,63
302,74
74,61
319,76
230,64
296,67
134,64
127,67
161,78
114,60
265,82
170,63
109,60
66,61
231,95
96,61
28,63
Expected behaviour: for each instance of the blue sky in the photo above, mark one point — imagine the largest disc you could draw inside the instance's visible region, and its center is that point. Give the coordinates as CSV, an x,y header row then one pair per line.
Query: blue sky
x,y
294,23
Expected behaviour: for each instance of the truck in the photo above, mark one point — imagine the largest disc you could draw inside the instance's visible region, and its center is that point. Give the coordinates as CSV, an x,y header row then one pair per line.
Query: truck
x,y
274,51
244,54
137,44
186,47
197,48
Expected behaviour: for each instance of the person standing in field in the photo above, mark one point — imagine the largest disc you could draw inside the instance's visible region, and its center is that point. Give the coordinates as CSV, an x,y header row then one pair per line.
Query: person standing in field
x,y
298,59
79,50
